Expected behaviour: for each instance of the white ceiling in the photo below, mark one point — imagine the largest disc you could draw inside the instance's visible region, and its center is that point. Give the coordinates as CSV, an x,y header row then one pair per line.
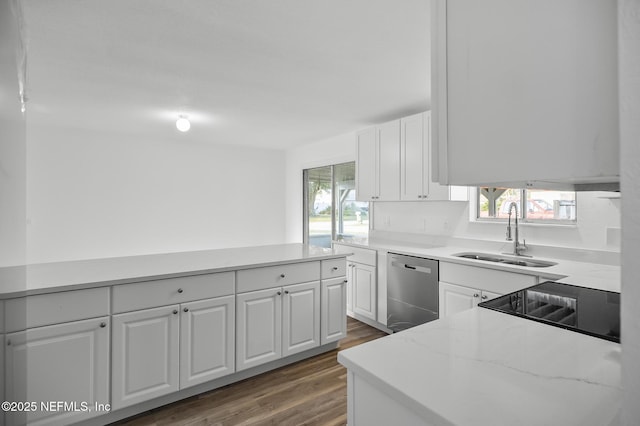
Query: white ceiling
x,y
270,73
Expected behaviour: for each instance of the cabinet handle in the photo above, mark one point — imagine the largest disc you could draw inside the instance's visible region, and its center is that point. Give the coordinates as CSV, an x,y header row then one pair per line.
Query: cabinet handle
x,y
279,293
335,268
175,311
345,281
8,342
286,292
180,290
281,275
103,324
484,296
476,295
186,309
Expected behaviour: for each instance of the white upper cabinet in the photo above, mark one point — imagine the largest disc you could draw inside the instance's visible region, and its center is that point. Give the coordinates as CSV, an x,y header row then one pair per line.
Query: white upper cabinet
x,y
378,163
393,162
525,91
415,179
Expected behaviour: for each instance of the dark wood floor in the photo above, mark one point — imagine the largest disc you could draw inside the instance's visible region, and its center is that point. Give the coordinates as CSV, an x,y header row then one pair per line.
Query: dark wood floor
x,y
310,392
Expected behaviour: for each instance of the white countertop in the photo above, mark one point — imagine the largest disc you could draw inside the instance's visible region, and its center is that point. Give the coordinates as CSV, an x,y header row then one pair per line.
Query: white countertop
x,y
481,367
581,273
62,276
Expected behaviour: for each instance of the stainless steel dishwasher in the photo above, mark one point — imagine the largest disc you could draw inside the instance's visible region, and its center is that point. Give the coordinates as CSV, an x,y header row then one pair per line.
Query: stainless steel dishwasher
x,y
412,291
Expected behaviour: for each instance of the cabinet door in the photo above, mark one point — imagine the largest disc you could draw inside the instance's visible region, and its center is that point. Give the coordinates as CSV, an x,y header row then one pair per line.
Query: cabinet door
x,y
333,326
454,298
258,327
415,158
366,160
300,317
145,356
207,340
381,286
412,158
388,163
350,267
66,362
364,290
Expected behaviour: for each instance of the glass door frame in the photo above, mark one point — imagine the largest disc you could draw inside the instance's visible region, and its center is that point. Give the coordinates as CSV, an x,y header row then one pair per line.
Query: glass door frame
x,y
334,173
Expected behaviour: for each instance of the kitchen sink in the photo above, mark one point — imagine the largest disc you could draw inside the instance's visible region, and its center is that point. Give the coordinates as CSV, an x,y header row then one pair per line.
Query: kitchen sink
x,y
508,260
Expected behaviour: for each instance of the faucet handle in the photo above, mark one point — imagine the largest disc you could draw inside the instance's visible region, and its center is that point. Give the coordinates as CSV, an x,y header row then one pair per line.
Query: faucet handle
x,y
521,247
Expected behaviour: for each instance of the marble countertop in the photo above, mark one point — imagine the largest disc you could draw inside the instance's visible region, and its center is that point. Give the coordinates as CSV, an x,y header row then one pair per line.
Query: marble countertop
x,y
485,367
61,276
584,273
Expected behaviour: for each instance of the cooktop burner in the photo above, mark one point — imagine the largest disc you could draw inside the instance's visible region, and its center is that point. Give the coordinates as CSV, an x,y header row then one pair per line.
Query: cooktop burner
x,y
584,310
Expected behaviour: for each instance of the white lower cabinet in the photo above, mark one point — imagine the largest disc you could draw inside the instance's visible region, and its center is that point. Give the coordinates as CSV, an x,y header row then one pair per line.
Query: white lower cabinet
x,y
145,357
364,287
333,315
259,327
300,318
455,298
362,282
462,287
58,364
161,350
207,340
276,322
153,338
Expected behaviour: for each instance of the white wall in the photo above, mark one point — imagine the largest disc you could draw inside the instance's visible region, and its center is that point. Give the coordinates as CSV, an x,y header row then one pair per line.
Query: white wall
x,y
339,149
598,226
629,46
102,195
12,143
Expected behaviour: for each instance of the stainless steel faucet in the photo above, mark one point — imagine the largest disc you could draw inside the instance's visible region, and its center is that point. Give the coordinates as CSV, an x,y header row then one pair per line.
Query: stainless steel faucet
x,y
517,247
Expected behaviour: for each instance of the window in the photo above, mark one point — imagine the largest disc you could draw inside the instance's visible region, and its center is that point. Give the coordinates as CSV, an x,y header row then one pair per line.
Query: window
x,y
533,205
330,206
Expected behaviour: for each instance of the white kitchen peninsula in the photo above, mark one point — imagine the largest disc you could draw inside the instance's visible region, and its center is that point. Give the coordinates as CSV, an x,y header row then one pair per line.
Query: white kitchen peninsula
x,y
115,337
481,367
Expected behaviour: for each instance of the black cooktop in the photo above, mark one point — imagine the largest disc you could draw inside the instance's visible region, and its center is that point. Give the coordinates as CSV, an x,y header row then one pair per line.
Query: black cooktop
x,y
584,310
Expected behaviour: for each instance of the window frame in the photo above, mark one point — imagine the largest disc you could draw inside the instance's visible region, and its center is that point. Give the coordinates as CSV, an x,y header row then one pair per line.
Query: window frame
x,y
334,207
522,210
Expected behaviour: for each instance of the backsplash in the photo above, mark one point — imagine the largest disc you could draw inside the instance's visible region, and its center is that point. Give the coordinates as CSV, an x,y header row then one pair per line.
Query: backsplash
x,y
597,228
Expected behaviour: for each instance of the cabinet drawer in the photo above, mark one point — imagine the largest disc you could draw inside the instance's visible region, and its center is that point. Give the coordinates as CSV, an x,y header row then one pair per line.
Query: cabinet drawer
x,y
360,255
333,268
151,294
55,308
500,282
279,275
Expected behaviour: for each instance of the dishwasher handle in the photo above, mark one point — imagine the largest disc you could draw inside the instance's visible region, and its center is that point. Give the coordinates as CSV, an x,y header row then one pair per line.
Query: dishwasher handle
x,y
422,269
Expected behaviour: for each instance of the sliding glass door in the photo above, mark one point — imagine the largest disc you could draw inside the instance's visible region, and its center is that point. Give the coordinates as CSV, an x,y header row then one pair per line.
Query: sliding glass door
x,y
330,208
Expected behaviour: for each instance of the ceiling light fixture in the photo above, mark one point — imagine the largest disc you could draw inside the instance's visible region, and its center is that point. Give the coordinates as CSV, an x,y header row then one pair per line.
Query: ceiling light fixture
x,y
183,124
